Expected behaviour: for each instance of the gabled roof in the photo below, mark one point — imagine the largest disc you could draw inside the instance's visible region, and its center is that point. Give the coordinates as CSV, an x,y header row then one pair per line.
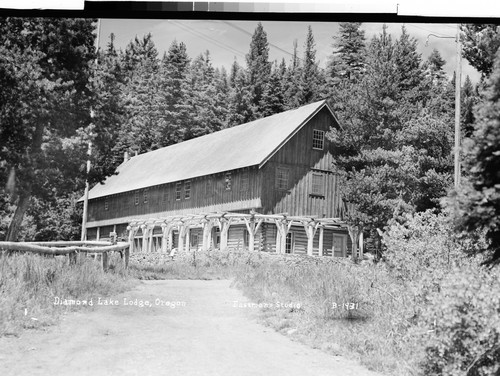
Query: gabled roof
x,y
245,145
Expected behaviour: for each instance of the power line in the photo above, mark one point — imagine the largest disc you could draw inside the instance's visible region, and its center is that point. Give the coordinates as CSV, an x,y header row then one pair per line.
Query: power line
x,y
248,33
209,39
428,30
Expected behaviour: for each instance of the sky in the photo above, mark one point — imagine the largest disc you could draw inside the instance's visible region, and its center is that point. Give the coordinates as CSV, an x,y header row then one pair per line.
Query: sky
x,y
228,40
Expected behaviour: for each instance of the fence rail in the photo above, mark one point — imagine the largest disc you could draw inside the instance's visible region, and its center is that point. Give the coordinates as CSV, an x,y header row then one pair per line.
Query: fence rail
x,y
71,248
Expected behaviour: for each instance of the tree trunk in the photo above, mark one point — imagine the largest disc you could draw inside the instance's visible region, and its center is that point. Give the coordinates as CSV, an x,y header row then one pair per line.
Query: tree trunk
x,y
17,220
26,189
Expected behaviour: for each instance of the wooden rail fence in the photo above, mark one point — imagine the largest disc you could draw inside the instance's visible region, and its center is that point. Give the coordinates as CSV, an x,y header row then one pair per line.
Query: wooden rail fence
x,y
71,248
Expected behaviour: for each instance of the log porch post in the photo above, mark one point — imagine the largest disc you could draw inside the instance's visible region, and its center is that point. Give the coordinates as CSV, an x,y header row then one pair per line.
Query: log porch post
x,y
320,245
252,228
187,243
144,238
180,242
224,224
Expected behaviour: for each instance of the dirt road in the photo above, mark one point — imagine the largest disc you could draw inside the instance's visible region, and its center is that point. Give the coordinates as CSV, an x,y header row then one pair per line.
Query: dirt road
x,y
204,335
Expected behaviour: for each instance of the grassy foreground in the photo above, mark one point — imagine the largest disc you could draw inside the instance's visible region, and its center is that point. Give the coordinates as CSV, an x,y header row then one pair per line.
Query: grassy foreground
x,y
427,310
31,284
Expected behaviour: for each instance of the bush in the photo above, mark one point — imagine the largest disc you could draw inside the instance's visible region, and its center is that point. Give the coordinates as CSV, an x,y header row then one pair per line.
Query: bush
x,y
456,300
463,322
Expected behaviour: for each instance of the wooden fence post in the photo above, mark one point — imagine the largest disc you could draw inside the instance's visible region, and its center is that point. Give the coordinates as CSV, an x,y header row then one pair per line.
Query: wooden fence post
x,y
105,261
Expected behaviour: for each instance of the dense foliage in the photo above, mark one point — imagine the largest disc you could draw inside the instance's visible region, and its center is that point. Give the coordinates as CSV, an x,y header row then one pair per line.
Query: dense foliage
x,y
456,305
477,204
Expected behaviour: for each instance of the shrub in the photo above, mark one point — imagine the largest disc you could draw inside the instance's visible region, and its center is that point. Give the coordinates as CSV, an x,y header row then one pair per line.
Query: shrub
x,y
456,301
463,324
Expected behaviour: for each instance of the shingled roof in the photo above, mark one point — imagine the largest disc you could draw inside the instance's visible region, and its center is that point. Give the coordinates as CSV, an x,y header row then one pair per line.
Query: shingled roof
x,y
245,145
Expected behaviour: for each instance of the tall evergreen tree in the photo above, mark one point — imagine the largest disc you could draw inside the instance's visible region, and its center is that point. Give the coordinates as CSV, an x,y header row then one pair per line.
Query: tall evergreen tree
x,y
108,110
207,114
409,64
292,80
273,97
240,109
348,59
142,101
311,79
175,92
469,98
258,68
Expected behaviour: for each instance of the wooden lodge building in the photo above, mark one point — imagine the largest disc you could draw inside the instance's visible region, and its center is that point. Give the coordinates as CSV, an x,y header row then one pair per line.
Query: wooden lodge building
x,y
267,184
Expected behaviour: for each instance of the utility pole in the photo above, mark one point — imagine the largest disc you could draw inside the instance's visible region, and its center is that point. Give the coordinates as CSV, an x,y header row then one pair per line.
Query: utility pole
x,y
89,153
458,74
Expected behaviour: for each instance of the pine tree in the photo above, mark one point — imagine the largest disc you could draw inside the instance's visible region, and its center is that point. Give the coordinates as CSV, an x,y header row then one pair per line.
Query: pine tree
x,y
292,80
469,98
207,112
311,79
240,109
258,68
273,98
409,64
141,96
108,110
175,93
348,59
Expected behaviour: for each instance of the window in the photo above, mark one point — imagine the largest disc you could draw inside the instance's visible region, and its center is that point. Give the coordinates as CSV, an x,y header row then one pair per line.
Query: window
x,y
289,243
216,237
282,178
145,195
178,188
227,181
106,204
209,188
136,198
165,195
194,240
318,139
244,181
187,189
318,185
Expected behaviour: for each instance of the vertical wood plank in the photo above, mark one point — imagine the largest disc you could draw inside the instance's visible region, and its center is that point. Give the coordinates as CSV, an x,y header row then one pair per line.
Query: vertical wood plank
x,y
320,245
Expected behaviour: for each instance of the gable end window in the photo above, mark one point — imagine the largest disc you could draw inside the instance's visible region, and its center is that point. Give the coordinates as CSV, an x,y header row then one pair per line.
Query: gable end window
x,y
136,198
187,189
145,195
106,204
318,139
282,178
178,188
318,185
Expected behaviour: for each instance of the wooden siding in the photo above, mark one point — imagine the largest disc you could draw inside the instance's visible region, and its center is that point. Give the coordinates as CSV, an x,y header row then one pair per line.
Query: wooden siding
x,y
204,192
302,161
